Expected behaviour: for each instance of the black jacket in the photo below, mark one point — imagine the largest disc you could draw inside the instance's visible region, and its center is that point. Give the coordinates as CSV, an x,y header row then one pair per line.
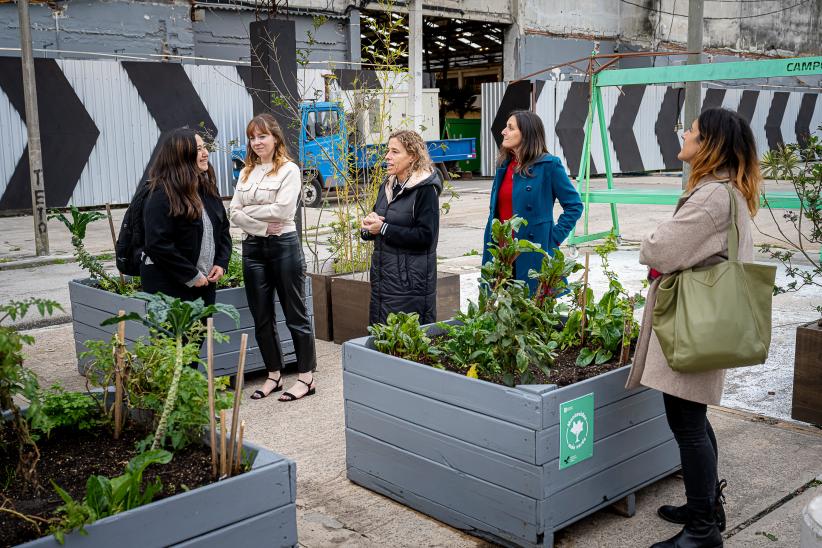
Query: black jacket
x,y
404,263
173,243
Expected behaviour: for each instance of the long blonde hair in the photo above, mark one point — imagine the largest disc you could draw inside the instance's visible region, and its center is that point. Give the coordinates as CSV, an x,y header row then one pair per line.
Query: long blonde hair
x,y
726,144
265,123
416,147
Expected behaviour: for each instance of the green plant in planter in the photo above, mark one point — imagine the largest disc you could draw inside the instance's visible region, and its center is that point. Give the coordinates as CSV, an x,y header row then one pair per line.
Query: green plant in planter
x,y
106,497
401,335
173,318
798,164
504,248
552,279
77,227
605,318
233,276
149,371
17,380
60,409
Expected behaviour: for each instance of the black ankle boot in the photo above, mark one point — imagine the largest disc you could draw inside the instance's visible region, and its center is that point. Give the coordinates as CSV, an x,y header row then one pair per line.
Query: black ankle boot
x,y
701,531
679,515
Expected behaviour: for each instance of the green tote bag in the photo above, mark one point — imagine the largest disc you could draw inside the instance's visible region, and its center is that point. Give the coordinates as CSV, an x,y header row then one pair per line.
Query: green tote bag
x,y
716,317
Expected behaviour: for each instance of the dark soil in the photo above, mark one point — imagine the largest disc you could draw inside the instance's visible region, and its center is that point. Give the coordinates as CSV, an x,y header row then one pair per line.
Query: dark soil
x,y
69,458
563,372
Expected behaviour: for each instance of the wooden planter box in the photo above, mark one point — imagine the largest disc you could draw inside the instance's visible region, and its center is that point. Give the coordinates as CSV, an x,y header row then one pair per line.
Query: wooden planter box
x,y
351,298
807,374
484,458
91,305
257,508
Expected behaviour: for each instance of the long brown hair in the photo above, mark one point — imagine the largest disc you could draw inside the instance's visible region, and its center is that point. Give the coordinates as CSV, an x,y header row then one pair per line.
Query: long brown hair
x,y
175,170
265,123
416,147
727,148
532,146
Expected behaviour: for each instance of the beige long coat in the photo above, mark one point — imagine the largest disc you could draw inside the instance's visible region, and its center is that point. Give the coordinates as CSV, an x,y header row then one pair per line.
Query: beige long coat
x,y
697,235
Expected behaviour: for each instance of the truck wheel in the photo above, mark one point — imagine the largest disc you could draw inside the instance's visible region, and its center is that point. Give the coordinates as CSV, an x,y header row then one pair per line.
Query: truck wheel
x,y
312,193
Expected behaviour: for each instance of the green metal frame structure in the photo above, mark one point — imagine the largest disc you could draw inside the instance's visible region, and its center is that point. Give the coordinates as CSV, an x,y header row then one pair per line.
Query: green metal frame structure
x,y
665,75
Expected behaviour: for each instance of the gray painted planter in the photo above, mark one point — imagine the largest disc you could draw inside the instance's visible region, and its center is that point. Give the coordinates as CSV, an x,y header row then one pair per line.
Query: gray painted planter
x,y
485,458
90,306
257,508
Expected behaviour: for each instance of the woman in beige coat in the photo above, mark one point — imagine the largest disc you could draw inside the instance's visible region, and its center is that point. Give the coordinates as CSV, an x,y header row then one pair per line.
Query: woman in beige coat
x,y
720,149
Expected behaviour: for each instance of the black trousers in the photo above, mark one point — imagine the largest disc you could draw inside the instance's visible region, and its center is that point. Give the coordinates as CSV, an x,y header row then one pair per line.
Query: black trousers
x,y
276,263
697,449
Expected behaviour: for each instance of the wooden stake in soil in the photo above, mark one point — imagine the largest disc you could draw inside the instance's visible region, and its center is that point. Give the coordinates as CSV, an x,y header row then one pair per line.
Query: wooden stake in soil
x,y
239,451
114,238
626,333
238,395
223,468
584,300
212,419
119,366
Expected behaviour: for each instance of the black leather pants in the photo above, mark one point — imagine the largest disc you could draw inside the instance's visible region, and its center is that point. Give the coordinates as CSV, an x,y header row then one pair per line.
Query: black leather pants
x,y
276,263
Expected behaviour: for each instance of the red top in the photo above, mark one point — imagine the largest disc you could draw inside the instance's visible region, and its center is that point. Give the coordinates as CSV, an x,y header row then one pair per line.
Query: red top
x,y
505,201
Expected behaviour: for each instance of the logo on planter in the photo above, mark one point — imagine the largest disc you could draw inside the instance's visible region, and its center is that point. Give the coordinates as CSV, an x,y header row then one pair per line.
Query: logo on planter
x,y
576,430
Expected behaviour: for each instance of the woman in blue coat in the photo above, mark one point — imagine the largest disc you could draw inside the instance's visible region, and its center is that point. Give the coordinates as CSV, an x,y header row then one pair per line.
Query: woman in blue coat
x,y
527,184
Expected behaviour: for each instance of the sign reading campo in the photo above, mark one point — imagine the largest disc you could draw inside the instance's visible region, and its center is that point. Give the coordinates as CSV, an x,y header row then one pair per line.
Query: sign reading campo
x,y
576,430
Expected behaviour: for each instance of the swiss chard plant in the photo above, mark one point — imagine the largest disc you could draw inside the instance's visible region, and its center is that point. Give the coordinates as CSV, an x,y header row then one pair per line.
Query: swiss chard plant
x,y
77,225
107,497
173,318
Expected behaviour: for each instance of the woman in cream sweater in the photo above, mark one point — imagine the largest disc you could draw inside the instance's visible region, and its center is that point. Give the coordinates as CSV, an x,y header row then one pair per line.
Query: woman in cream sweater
x,y
263,206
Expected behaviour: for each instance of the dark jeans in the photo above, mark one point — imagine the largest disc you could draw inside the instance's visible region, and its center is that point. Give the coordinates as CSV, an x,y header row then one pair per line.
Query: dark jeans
x,y
276,263
697,449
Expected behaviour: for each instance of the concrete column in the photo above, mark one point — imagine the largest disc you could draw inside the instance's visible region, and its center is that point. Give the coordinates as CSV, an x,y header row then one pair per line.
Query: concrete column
x,y
354,38
693,90
511,46
415,64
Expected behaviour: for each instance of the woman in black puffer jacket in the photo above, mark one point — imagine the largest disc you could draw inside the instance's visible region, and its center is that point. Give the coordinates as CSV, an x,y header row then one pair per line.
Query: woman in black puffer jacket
x,y
405,227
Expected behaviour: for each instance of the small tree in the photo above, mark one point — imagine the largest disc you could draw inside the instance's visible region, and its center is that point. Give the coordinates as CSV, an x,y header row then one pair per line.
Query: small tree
x,y
16,380
799,165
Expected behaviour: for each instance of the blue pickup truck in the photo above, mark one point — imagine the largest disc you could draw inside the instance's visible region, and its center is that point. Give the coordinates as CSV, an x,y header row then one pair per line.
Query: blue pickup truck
x,y
325,147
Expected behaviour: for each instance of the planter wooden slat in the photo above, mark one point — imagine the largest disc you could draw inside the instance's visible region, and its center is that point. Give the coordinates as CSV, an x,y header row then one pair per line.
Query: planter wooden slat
x,y
508,404
609,486
610,419
486,441
444,514
321,289
474,496
271,529
807,375
472,427
269,486
443,449
608,453
89,308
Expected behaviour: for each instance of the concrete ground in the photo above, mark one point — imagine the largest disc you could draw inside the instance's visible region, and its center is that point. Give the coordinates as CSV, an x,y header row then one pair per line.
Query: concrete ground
x,y
769,461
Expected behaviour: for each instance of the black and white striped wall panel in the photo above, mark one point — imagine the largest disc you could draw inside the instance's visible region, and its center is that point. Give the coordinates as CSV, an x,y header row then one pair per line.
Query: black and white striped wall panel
x,y
640,120
101,121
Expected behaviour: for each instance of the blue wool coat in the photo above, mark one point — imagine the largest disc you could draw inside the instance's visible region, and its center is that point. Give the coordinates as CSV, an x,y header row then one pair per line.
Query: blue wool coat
x,y
533,199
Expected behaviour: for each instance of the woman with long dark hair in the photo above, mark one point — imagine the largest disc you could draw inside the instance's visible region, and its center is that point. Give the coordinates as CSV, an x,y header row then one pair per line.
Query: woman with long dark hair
x,y
721,151
187,240
404,225
527,184
264,206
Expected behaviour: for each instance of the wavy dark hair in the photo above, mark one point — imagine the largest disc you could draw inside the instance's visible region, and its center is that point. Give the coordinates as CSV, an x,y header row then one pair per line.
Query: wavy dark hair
x,y
727,144
175,170
532,146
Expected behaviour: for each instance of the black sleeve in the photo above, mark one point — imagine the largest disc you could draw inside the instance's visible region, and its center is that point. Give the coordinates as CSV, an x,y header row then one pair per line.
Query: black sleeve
x,y
426,222
223,244
160,246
